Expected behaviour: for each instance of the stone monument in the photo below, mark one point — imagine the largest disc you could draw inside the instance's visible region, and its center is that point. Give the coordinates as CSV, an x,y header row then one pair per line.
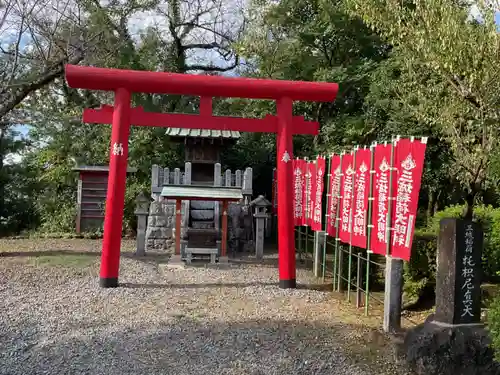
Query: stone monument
x,y
453,340
260,205
141,211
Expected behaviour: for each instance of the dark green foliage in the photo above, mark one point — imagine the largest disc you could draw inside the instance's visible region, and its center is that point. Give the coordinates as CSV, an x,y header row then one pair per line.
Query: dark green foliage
x,y
420,271
494,325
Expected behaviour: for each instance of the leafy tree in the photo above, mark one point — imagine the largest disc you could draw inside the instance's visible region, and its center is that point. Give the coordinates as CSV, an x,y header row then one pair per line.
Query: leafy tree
x,y
15,200
452,61
61,140
317,40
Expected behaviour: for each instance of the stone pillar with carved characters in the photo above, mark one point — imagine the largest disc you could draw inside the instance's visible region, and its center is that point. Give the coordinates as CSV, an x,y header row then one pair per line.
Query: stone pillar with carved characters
x,y
454,339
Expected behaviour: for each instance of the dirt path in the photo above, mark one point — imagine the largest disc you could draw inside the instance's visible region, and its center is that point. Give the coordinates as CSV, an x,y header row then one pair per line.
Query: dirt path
x,y
55,319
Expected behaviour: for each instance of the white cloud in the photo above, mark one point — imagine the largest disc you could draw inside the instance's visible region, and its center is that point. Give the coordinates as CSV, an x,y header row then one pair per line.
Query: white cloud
x,y
11,159
223,16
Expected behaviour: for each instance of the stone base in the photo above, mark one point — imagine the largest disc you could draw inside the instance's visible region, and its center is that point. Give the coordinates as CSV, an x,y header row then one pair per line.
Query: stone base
x,y
433,348
159,244
222,264
223,260
175,261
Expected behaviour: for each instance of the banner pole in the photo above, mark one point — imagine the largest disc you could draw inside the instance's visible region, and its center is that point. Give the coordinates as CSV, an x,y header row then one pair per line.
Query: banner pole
x,y
351,209
306,229
328,177
299,232
338,252
391,199
370,225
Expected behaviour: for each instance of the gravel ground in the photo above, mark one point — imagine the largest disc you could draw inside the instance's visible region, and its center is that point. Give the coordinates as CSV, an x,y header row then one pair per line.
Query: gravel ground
x,y
55,320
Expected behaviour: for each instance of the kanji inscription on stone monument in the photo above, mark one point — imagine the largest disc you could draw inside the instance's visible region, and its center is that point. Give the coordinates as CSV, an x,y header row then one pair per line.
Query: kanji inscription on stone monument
x,y
458,277
468,288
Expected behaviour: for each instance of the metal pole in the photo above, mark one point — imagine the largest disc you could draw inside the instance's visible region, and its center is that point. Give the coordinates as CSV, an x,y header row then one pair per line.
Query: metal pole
x,y
306,229
369,226
299,247
328,177
391,199
358,281
336,272
351,209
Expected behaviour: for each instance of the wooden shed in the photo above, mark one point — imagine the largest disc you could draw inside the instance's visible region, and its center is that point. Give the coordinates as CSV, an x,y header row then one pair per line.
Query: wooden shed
x,y
91,196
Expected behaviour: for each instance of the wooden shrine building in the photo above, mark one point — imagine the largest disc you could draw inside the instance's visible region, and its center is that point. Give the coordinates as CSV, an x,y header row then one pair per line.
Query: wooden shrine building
x,y
224,195
91,196
203,148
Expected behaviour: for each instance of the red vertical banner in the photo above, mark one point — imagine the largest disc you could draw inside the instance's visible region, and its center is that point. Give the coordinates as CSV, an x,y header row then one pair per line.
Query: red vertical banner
x,y
317,198
346,197
361,190
299,172
409,165
333,199
310,169
381,193
275,191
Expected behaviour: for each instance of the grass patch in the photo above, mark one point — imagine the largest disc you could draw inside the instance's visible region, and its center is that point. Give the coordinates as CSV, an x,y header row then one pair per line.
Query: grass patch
x,y
66,260
76,254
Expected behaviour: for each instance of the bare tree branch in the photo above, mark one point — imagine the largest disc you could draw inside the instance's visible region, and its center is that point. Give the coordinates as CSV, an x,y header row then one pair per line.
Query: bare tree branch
x,y
47,35
11,99
213,68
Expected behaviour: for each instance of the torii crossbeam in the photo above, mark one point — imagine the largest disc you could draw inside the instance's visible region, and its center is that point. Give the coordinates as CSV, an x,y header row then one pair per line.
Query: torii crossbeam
x,y
121,116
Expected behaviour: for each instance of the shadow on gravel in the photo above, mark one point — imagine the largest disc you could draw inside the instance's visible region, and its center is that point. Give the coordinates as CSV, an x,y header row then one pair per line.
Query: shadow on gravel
x,y
195,286
151,257
47,253
317,287
181,346
270,261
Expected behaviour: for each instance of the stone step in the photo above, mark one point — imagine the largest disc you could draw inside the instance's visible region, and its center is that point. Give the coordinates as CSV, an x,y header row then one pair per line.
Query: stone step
x,y
201,242
203,224
202,250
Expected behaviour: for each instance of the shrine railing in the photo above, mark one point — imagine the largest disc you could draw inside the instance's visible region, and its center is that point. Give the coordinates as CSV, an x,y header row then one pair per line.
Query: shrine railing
x,y
165,176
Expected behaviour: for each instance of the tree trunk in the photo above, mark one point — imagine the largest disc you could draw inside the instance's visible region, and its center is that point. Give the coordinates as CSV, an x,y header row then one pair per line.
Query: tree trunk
x,y
3,131
436,203
430,206
469,205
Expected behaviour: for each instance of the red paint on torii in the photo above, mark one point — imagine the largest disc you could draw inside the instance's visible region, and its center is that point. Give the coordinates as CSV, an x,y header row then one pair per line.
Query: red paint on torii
x,y
122,116
268,124
197,85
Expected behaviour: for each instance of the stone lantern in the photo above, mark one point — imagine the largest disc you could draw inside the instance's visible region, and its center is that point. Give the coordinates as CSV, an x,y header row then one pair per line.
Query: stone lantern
x,y
142,203
260,206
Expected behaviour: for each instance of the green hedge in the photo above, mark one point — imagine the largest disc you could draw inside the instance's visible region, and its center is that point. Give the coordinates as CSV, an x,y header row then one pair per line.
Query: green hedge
x,y
420,271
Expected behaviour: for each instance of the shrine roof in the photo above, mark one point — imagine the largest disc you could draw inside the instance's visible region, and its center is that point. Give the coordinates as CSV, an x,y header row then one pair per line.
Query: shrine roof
x,y
202,133
207,193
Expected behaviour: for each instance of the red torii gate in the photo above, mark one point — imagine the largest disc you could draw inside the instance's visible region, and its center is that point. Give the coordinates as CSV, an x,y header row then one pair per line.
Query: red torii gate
x,y
124,82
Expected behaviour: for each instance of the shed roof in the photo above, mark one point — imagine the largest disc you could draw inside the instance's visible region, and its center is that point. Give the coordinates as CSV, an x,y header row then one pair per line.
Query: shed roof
x,y
207,193
202,133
